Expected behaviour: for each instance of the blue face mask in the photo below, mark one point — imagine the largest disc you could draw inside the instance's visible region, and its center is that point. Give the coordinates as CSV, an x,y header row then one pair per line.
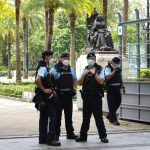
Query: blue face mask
x,y
90,62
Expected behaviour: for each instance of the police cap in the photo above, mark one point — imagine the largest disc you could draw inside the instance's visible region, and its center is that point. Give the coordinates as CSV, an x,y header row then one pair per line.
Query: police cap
x,y
90,54
47,53
63,55
116,59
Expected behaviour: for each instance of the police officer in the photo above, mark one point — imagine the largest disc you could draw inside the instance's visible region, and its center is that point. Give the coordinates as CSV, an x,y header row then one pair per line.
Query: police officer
x,y
114,84
92,81
65,81
47,120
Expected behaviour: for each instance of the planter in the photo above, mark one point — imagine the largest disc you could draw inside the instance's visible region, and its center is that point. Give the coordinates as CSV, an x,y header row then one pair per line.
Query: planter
x,y
136,102
28,96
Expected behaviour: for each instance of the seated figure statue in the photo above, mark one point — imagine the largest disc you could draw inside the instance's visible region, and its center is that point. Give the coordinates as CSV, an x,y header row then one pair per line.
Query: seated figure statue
x,y
99,37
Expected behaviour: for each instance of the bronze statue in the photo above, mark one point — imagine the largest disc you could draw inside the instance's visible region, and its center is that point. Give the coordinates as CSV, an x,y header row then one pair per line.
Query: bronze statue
x,y
99,38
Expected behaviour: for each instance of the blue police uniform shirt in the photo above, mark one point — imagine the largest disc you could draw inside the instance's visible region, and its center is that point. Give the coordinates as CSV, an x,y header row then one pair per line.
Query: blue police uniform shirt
x,y
108,72
101,74
56,75
42,72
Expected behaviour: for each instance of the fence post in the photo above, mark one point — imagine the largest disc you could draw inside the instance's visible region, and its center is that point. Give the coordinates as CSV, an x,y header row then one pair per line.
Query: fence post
x,y
148,44
138,43
120,33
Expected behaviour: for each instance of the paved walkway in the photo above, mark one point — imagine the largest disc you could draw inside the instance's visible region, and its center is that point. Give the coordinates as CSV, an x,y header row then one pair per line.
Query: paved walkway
x,y
21,119
124,141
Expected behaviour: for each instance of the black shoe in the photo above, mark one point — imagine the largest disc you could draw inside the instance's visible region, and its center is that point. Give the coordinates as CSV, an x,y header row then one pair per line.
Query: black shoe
x,y
104,140
57,138
42,141
116,123
72,137
81,139
54,143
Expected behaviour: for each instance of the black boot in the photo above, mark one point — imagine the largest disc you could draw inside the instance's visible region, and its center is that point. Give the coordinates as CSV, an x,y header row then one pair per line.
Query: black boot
x,y
72,136
81,139
104,140
42,141
57,138
54,143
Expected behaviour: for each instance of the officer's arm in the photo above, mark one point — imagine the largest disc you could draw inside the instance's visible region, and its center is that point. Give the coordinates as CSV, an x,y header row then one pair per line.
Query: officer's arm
x,y
75,84
39,83
81,79
99,79
110,75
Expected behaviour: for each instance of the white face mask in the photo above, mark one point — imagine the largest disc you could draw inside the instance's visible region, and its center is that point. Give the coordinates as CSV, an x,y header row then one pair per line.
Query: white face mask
x,y
90,62
116,65
51,61
65,62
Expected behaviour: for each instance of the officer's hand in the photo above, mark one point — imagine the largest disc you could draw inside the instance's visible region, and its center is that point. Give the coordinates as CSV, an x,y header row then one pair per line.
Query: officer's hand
x,y
47,91
93,70
85,71
122,90
114,69
75,89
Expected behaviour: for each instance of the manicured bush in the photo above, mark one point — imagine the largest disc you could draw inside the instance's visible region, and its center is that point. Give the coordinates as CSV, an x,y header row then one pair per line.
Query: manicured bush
x,y
145,73
15,89
3,68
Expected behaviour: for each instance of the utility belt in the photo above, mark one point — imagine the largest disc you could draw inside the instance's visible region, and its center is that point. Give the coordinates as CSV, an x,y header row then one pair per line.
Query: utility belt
x,y
70,92
110,86
91,94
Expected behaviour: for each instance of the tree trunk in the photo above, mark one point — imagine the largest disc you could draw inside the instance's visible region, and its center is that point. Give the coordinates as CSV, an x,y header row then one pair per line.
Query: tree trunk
x,y
125,18
9,57
18,53
4,54
72,19
25,55
46,31
105,4
51,23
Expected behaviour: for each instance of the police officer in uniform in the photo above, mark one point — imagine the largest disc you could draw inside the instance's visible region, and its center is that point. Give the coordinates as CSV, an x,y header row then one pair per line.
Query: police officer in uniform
x,y
114,82
65,82
46,104
92,81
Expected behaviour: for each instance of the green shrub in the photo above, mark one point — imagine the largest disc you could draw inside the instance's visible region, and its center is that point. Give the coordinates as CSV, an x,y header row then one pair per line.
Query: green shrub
x,y
145,73
3,68
3,73
15,89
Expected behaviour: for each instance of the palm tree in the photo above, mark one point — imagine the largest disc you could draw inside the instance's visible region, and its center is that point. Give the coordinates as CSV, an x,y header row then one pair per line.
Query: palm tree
x,y
74,9
6,9
49,8
125,18
8,25
18,52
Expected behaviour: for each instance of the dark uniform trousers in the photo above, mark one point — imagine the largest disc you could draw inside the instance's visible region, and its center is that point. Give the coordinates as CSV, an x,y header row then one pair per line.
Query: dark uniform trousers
x,y
64,102
92,105
47,122
114,101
